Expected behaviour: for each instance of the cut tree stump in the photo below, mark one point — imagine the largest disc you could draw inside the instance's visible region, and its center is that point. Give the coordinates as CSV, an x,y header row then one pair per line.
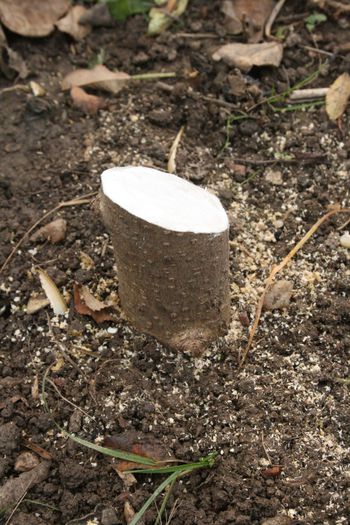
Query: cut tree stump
x,y
170,240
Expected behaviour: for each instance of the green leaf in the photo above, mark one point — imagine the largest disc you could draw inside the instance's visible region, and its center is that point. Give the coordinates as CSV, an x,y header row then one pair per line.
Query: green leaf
x,y
313,20
121,9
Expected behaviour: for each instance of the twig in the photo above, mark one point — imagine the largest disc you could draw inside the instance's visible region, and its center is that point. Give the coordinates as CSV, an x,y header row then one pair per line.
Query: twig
x,y
21,87
275,12
277,269
343,225
264,447
197,35
173,151
70,402
197,96
319,51
307,94
84,199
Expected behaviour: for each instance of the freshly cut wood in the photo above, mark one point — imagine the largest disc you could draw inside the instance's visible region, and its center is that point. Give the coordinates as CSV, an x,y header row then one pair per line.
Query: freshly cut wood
x,y
170,240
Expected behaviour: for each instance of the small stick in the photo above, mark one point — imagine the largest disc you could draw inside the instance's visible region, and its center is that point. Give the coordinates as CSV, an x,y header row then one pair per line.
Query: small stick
x,y
265,449
69,402
272,17
173,151
18,504
20,87
319,51
307,94
278,268
84,199
197,35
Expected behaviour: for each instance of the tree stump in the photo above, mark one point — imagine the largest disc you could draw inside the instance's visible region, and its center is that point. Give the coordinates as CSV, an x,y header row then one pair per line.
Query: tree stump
x,y
170,240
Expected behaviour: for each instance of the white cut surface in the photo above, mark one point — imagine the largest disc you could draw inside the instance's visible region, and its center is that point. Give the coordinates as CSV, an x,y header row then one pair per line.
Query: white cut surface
x,y
164,200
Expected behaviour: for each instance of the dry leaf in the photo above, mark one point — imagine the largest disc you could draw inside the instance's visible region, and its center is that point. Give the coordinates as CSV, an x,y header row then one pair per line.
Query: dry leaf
x,y
245,56
38,450
57,302
272,472
36,303
278,295
86,304
87,103
37,89
99,77
70,23
144,445
127,477
248,17
129,512
54,232
59,364
337,96
32,17
11,62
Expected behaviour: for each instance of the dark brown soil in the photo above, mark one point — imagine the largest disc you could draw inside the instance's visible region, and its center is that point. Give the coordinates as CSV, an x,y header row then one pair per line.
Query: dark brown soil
x,y
289,405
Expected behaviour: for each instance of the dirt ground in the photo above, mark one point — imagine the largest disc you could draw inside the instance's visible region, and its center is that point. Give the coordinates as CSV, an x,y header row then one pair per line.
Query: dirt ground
x,y
289,405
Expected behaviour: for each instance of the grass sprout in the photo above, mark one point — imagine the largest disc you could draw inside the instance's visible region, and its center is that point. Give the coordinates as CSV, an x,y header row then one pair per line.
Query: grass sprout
x,y
151,466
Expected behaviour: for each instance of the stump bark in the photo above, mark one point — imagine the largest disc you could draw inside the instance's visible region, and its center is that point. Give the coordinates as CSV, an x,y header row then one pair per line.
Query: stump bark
x,y
170,240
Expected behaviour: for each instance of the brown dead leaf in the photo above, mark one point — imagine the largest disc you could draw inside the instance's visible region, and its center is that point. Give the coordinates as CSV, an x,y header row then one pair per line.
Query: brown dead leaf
x,y
245,56
36,303
86,304
127,477
272,472
248,17
38,450
70,23
100,77
278,295
129,512
53,232
32,17
87,103
35,388
337,96
141,444
11,62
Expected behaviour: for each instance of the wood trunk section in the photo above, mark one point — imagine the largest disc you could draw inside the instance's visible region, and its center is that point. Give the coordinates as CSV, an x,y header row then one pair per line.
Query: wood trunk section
x,y
172,285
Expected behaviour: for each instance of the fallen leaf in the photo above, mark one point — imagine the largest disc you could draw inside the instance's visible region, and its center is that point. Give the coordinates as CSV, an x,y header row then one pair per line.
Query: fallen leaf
x,y
86,262
86,304
245,56
99,77
337,96
59,364
248,17
129,512
37,89
97,16
57,302
160,19
38,450
11,62
26,461
272,472
36,303
141,444
71,23
278,295
87,103
127,477
32,17
14,488
54,231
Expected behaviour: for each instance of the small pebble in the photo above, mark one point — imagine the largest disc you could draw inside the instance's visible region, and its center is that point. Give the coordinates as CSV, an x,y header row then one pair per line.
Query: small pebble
x,y
279,295
345,240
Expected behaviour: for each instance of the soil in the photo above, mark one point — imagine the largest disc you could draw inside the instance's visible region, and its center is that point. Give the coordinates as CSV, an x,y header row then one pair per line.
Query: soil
x,y
289,404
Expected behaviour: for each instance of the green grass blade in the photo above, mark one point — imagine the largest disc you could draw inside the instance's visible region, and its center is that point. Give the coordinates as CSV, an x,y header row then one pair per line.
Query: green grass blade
x,y
169,480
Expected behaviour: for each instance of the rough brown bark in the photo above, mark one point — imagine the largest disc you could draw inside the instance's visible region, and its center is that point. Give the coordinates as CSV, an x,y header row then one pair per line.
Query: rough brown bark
x,y
172,285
